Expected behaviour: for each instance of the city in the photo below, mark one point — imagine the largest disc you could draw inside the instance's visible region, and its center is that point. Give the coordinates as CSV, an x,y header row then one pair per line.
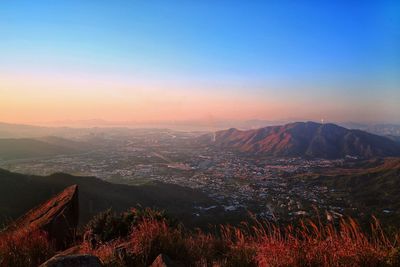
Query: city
x,y
270,188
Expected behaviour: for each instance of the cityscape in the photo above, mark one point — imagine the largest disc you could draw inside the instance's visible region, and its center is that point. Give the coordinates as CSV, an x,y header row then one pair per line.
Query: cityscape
x,y
271,188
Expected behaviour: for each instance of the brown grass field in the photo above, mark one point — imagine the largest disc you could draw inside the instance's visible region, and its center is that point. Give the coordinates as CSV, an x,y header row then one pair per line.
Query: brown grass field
x,y
309,244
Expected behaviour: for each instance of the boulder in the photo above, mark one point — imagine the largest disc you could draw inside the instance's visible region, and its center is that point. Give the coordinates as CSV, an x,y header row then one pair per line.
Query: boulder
x,y
71,251
163,260
77,260
58,217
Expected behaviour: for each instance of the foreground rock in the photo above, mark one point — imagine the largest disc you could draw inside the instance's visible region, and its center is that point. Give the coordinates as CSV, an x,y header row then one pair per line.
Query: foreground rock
x,y
58,217
163,260
82,260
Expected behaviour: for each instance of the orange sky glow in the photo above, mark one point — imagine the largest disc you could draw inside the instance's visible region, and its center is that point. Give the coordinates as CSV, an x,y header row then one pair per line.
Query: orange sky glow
x,y
37,98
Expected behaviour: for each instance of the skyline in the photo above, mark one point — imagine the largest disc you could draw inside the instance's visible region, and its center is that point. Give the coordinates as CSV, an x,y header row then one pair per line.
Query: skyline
x,y
153,62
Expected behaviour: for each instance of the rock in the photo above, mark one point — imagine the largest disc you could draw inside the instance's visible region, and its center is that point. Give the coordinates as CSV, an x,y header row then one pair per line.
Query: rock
x,y
58,217
77,260
163,260
71,251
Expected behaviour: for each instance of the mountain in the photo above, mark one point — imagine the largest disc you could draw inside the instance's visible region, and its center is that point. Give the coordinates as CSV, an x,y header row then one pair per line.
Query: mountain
x,y
305,139
20,148
9,130
19,192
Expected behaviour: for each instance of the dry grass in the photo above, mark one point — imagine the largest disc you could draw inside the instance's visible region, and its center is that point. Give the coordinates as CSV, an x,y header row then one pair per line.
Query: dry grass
x,y
313,245
260,245
24,248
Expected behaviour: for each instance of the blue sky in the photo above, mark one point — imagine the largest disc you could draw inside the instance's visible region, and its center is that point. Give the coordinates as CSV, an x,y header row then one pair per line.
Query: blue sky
x,y
338,50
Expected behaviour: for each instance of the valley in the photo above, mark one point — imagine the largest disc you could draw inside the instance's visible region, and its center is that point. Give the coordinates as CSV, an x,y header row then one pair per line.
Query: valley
x,y
281,189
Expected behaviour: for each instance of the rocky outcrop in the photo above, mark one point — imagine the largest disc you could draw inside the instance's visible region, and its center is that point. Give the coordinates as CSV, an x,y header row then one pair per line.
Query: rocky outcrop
x,y
163,260
78,260
58,217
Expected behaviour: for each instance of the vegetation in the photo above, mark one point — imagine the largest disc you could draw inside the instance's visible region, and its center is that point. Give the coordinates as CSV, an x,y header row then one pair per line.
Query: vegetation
x,y
24,248
107,225
138,236
264,244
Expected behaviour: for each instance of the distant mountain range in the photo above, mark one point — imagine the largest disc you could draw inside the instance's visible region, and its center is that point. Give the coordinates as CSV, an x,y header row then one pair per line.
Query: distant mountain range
x,y
305,139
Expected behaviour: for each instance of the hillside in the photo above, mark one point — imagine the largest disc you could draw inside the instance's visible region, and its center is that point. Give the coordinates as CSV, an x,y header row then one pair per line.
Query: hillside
x,y
13,148
371,189
47,236
305,139
8,130
395,138
18,193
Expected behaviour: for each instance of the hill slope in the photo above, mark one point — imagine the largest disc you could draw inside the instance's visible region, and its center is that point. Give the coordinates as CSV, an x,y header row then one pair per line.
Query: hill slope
x,y
375,188
306,139
18,193
21,148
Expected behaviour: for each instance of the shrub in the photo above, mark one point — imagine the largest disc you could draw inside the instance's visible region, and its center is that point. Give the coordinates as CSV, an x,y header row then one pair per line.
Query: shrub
x,y
108,226
25,248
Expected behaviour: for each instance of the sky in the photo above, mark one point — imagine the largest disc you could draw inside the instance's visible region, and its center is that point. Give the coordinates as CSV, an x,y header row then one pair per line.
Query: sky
x,y
157,61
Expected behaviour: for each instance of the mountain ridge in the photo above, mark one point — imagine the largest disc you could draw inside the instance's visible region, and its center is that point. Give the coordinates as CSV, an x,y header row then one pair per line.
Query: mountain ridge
x,y
305,139
97,195
23,148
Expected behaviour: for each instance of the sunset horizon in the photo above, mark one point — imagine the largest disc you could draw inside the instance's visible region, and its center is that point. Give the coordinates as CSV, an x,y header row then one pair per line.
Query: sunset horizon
x,y
146,63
